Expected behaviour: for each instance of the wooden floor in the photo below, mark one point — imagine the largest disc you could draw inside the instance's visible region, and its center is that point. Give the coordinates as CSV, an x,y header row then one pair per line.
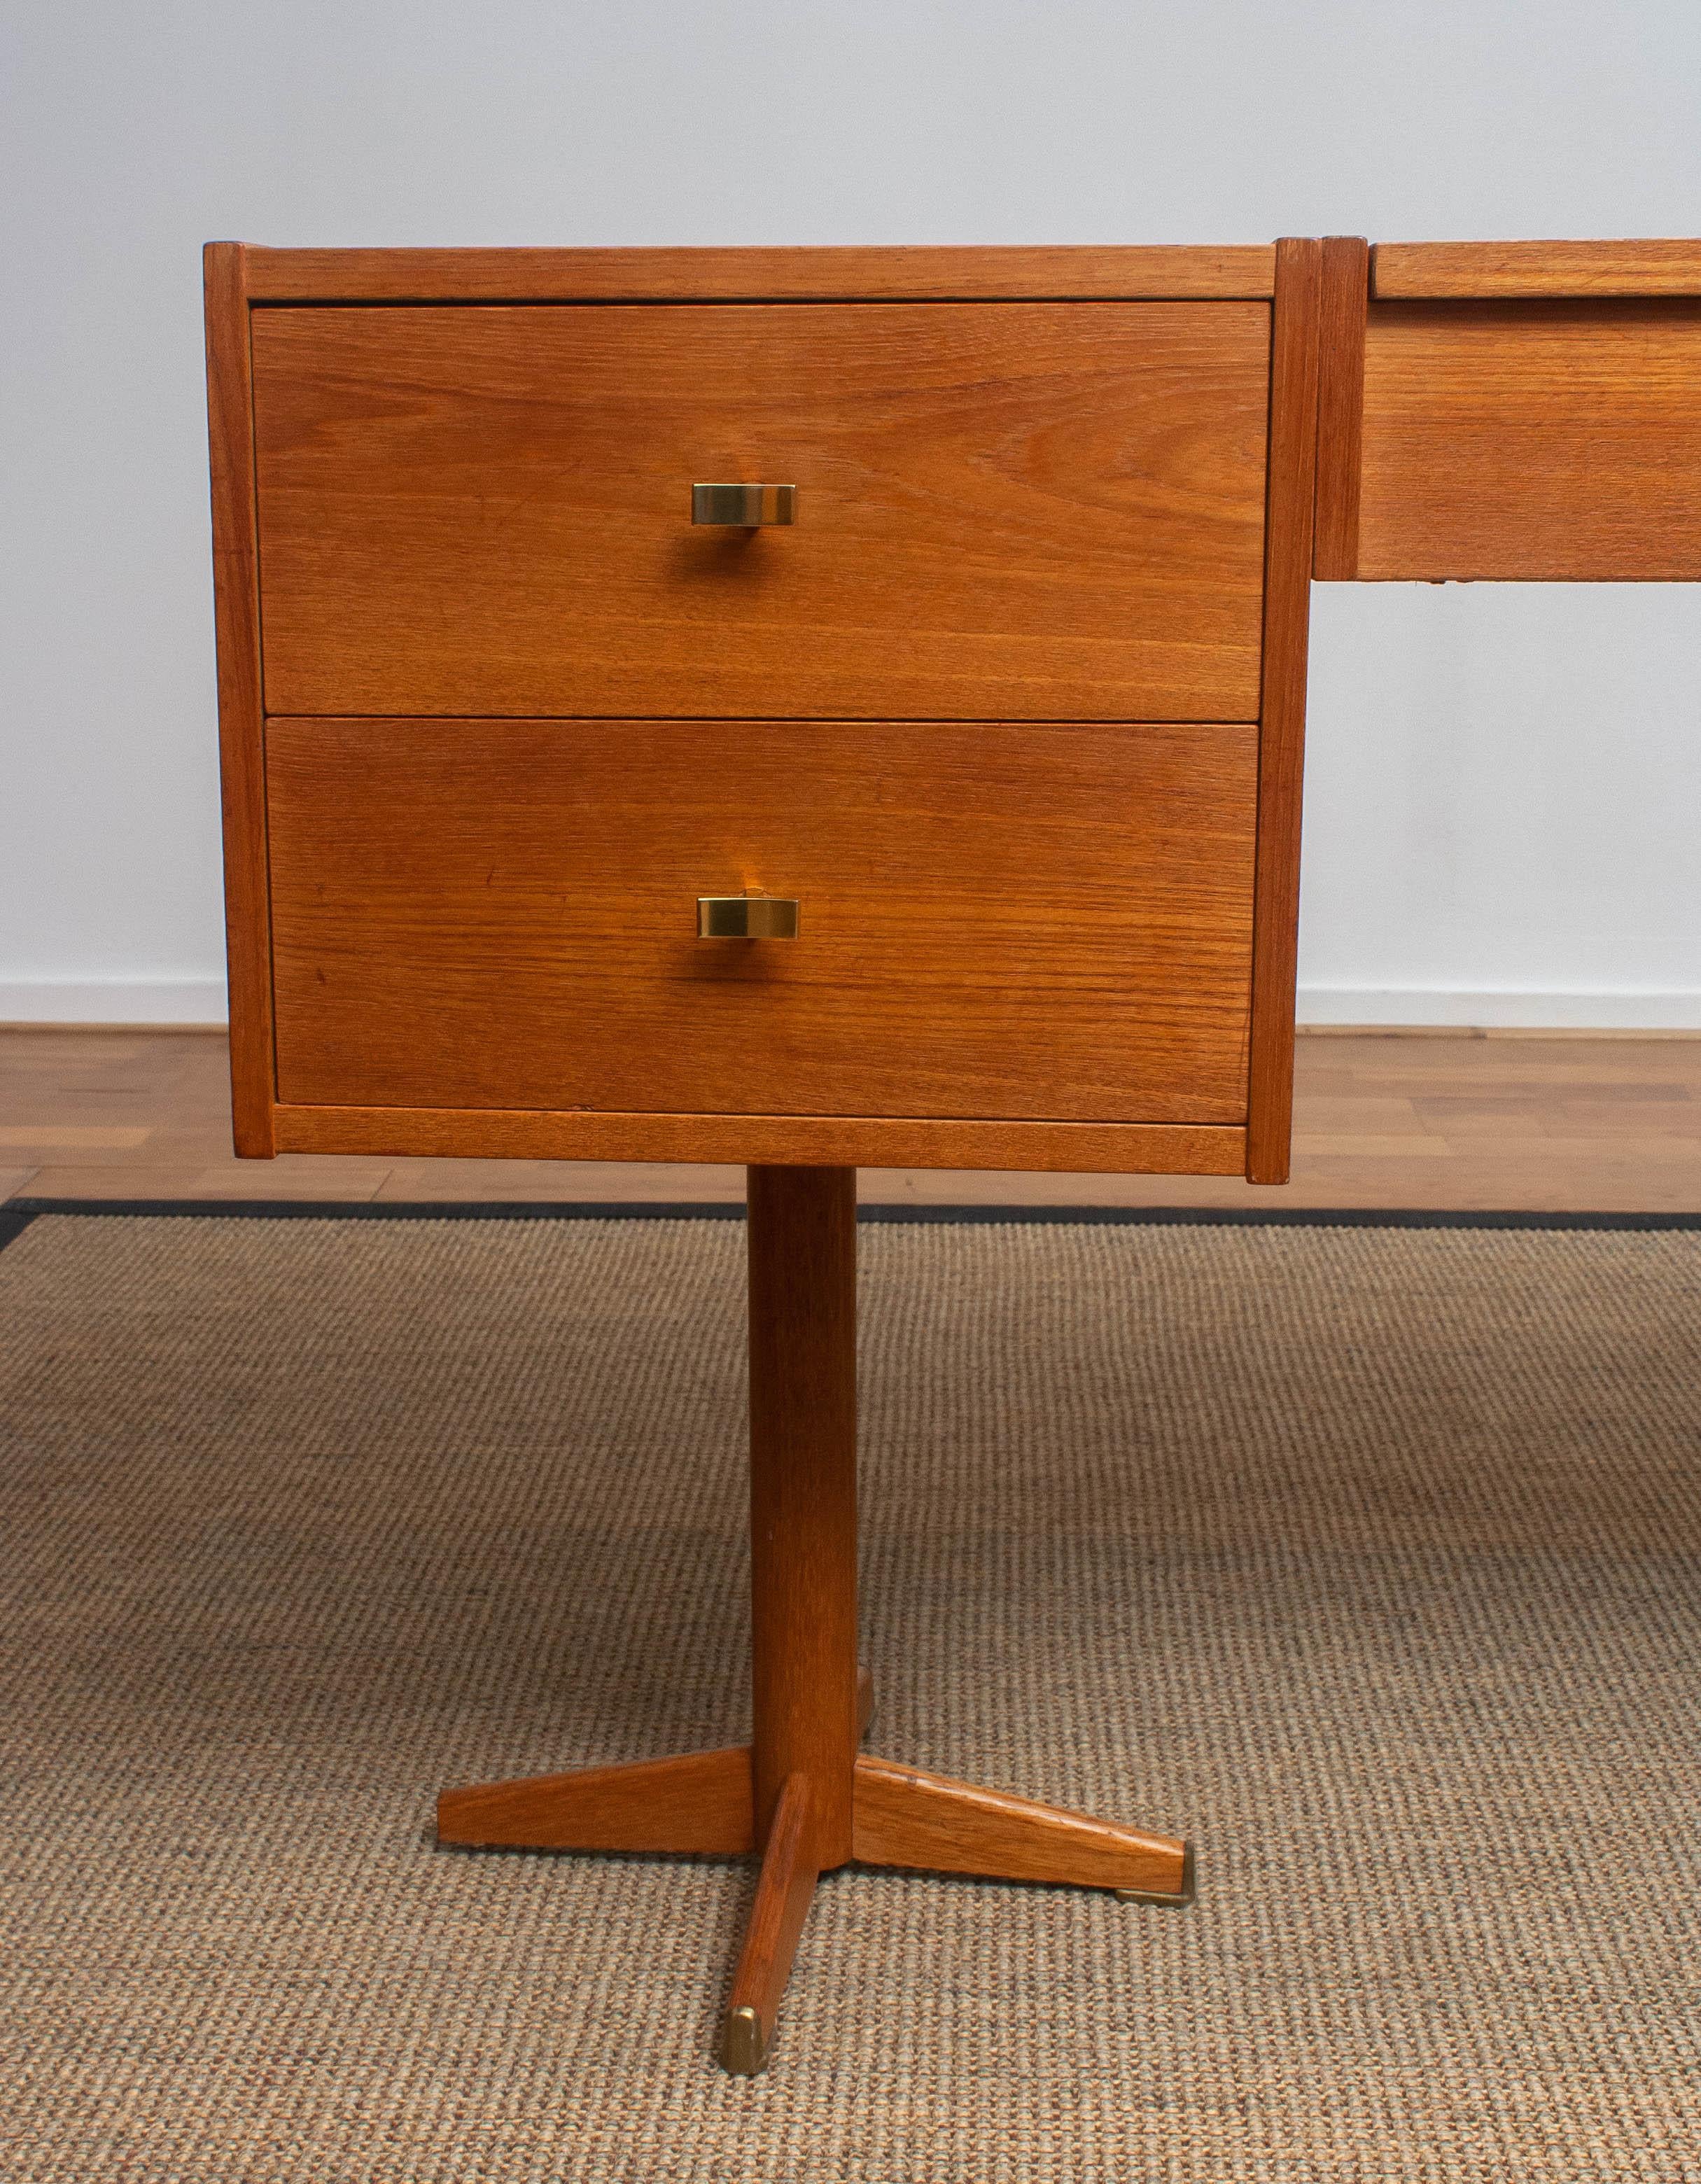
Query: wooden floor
x,y
1439,1120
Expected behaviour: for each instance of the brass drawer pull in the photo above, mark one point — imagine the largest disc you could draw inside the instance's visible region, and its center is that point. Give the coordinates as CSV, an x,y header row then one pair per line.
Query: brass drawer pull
x,y
746,917
744,506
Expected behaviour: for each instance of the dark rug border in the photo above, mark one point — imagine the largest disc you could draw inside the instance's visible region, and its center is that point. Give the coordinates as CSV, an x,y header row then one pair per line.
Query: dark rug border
x,y
17,1214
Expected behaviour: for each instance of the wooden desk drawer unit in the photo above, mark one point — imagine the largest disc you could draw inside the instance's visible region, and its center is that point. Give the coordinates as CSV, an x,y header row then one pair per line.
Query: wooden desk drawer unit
x,y
1012,707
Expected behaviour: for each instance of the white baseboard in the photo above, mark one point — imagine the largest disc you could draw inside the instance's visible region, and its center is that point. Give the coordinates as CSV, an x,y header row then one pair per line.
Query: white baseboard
x,y
113,1002
1662,1011
202,1001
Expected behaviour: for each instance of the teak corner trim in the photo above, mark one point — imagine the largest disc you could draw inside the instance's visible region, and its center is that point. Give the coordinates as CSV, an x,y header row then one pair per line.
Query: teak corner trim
x,y
1288,531
242,731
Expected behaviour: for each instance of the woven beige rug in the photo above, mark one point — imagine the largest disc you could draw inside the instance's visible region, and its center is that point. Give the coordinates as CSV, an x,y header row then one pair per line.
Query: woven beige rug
x,y
1368,1558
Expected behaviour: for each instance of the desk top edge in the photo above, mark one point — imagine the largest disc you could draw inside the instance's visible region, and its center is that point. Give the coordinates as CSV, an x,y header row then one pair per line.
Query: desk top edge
x,y
896,273
1665,265
1651,267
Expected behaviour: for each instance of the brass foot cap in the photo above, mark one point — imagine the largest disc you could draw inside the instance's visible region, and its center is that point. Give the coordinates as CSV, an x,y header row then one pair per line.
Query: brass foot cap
x,y
744,2043
1149,1895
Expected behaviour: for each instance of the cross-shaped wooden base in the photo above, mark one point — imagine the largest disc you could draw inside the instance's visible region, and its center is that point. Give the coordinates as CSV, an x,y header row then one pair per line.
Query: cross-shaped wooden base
x,y
800,1792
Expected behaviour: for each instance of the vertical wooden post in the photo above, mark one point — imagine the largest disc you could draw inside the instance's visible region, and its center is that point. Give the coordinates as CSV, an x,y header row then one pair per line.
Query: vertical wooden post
x,y
1289,513
803,1495
242,704
1343,303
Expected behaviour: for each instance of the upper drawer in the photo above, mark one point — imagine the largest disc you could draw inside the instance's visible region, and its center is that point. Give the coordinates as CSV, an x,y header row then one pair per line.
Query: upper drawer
x,y
1546,439
1020,510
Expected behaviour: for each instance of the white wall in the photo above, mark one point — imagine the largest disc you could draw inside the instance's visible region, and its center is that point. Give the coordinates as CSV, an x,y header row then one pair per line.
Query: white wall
x,y
1504,782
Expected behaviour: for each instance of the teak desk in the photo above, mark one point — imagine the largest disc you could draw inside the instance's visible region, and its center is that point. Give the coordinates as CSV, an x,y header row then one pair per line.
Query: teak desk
x,y
814,708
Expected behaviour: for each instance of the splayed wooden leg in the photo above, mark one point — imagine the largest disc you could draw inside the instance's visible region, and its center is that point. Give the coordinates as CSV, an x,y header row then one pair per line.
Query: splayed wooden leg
x,y
905,1816
783,1895
699,1801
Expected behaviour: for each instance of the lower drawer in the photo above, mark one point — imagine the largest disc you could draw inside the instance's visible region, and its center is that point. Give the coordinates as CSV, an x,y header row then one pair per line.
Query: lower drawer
x,y
995,921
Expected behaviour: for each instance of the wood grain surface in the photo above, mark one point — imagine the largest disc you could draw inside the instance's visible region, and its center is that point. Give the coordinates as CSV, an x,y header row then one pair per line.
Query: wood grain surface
x,y
1667,266
1534,440
805,1705
784,1892
235,605
997,922
490,1135
904,272
907,1817
1281,730
1031,510
1340,404
698,1802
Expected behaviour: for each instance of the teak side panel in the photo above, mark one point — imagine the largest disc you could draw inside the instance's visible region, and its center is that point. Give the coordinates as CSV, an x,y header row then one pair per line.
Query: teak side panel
x,y
811,1140
1021,510
997,921
1281,727
236,595
912,274
1532,440
1668,266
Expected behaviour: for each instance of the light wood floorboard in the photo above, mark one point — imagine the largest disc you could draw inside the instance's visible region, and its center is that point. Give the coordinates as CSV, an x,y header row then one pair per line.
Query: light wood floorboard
x,y
1441,1120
